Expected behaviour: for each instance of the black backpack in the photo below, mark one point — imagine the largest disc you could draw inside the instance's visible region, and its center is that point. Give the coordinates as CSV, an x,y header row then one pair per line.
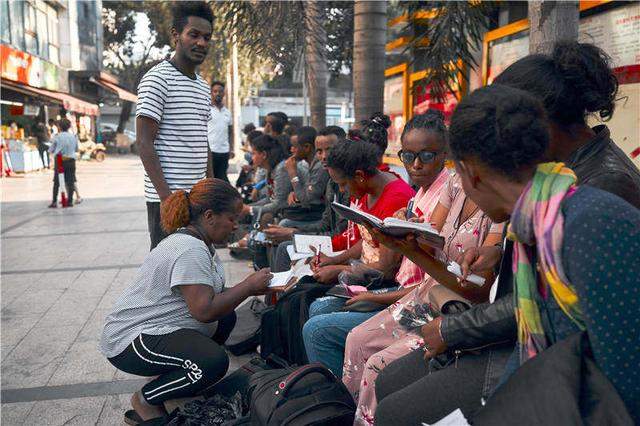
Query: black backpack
x,y
245,336
281,329
300,396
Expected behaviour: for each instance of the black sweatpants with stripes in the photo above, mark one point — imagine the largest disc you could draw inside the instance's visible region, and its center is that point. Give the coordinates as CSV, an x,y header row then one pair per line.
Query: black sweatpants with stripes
x,y
186,361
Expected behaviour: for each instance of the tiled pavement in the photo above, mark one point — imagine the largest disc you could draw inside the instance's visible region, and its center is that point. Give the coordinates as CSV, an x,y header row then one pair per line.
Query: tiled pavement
x,y
61,271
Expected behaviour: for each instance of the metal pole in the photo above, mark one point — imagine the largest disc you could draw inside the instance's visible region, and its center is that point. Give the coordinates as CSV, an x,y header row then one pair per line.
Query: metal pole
x,y
305,94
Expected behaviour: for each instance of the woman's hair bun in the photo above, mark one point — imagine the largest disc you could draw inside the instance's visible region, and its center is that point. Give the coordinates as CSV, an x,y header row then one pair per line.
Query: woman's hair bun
x,y
590,83
381,119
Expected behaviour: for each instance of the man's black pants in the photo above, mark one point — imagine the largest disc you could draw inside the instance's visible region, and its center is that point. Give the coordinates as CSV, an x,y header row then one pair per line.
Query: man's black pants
x,y
220,164
156,233
69,166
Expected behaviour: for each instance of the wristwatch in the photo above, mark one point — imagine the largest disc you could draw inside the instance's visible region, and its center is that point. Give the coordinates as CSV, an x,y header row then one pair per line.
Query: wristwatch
x,y
295,180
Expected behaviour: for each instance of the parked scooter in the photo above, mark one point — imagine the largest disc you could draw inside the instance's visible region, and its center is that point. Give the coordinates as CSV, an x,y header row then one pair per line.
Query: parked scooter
x,y
90,150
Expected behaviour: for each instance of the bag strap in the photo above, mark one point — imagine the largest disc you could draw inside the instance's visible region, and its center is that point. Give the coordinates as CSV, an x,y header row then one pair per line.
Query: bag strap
x,y
301,372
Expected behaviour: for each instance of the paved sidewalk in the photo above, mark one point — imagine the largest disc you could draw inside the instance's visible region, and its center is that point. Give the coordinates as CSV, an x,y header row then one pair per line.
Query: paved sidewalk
x,y
61,272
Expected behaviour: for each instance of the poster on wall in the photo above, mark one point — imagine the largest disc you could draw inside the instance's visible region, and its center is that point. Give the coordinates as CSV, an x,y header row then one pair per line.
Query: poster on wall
x,y
393,107
617,32
422,101
614,31
505,51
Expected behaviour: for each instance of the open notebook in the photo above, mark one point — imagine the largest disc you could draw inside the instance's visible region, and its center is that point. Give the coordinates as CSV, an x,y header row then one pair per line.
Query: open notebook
x,y
288,279
391,226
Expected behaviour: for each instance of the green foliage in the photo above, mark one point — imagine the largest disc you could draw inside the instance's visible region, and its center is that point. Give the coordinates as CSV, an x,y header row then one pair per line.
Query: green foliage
x,y
451,36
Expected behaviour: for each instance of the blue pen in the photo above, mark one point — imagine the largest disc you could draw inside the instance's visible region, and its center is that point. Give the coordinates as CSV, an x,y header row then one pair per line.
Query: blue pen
x,y
409,213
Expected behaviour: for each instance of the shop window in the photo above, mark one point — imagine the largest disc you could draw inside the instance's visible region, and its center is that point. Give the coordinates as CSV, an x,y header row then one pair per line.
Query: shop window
x,y
54,43
5,21
30,34
17,23
43,39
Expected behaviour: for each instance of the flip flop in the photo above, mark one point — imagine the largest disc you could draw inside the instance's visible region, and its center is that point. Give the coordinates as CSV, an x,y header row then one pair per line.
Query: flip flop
x,y
131,417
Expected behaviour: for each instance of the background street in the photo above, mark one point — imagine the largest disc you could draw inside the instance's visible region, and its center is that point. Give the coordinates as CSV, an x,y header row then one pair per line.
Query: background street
x,y
62,269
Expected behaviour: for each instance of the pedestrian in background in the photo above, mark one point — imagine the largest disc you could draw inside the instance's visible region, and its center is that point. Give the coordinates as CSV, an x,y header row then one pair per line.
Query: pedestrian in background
x,y
174,105
219,132
65,144
42,135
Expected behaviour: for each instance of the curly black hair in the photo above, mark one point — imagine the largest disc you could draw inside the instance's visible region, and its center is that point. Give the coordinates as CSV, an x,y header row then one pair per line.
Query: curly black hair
x,y
373,130
505,128
183,9
572,82
306,135
432,120
349,156
280,122
270,145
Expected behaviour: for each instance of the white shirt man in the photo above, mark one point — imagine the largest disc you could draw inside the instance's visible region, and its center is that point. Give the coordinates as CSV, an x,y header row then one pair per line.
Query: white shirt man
x,y
218,129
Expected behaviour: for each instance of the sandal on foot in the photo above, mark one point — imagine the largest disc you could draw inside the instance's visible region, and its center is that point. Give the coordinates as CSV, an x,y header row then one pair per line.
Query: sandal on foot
x,y
131,417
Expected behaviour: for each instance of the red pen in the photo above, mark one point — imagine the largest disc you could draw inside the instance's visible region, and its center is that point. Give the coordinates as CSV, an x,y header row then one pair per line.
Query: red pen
x,y
318,255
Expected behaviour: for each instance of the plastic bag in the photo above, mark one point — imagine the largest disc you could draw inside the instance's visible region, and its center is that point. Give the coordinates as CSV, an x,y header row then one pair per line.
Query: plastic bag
x,y
413,317
209,412
359,274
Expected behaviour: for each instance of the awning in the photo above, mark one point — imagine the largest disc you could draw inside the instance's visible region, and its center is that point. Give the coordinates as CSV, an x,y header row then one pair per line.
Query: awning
x,y
69,102
123,94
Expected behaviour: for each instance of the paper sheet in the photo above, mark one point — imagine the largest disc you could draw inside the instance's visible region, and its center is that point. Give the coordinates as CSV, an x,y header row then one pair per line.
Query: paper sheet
x,y
303,243
455,269
455,418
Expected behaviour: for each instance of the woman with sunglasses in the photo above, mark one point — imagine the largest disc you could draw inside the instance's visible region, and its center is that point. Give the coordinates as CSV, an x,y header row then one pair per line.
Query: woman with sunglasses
x,y
372,345
423,154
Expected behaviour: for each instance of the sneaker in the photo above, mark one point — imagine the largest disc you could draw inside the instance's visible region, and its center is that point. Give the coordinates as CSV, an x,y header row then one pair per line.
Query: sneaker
x,y
78,201
53,205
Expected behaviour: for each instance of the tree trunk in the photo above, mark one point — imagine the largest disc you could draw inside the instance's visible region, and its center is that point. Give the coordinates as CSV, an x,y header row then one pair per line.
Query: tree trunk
x,y
369,39
316,62
552,21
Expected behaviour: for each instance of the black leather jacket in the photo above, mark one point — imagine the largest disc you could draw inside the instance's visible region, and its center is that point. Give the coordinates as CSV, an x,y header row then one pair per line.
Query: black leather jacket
x,y
600,164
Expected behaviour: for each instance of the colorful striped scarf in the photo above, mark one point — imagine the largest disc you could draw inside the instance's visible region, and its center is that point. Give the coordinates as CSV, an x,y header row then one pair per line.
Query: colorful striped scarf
x,y
537,229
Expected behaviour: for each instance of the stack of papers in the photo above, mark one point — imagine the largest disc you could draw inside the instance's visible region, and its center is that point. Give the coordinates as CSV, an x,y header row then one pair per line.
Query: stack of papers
x,y
392,226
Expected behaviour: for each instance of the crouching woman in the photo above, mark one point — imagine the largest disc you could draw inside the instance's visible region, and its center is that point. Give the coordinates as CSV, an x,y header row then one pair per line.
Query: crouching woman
x,y
173,318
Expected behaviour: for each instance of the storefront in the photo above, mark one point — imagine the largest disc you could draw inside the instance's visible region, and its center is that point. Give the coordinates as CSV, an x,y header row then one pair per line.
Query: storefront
x,y
33,92
612,26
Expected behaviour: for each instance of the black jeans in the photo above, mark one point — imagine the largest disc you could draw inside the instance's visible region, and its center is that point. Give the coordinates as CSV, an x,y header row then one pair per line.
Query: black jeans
x,y
69,166
407,382
220,164
186,361
156,233
44,155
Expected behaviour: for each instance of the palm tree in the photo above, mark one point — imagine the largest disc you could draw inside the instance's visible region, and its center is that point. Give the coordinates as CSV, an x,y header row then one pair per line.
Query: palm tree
x,y
369,39
552,21
315,37
274,30
446,42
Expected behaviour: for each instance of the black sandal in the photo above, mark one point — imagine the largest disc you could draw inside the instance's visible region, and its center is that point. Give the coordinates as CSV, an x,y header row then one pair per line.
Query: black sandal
x,y
131,417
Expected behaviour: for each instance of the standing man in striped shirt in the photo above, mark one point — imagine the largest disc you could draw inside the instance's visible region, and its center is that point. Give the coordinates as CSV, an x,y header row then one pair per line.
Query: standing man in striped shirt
x,y
174,105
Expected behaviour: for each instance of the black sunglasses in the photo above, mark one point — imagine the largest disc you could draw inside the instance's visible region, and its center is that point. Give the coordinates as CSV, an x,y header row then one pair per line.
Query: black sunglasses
x,y
409,157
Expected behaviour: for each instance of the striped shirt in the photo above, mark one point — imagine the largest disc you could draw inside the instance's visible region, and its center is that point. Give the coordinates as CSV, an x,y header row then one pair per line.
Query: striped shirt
x,y
153,304
181,106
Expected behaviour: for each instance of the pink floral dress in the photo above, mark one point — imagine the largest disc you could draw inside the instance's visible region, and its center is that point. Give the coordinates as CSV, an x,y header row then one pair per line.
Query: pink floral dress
x,y
380,340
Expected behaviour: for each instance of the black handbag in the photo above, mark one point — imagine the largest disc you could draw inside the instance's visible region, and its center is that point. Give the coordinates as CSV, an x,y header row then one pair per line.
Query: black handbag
x,y
300,396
